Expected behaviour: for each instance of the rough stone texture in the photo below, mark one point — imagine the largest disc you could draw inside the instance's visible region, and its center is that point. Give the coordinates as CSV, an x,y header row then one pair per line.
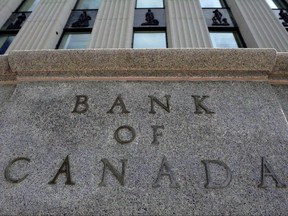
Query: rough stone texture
x,y
6,93
282,93
5,72
131,62
279,74
248,124
7,81
281,64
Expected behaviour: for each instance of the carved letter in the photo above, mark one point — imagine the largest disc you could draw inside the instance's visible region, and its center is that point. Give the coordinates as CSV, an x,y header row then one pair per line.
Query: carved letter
x,y
154,99
81,105
120,140
7,175
209,183
156,134
65,168
199,105
268,171
119,176
119,102
165,167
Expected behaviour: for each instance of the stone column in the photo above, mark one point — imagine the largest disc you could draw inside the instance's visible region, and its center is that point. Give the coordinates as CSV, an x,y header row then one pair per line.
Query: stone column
x,y
258,25
113,27
7,7
186,25
44,27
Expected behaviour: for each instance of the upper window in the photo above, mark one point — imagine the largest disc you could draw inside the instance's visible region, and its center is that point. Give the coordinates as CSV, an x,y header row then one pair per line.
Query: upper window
x,y
77,31
88,4
149,25
150,4
28,5
272,4
275,4
211,3
12,26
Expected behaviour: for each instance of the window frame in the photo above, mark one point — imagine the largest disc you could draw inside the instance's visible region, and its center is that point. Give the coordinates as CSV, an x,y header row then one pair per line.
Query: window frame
x,y
222,2
7,34
238,37
14,32
76,30
150,7
72,30
161,27
86,9
280,4
150,30
22,4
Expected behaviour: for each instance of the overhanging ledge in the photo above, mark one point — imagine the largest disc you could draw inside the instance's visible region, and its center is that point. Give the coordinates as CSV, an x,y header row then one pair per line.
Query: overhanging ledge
x,y
6,75
279,74
143,64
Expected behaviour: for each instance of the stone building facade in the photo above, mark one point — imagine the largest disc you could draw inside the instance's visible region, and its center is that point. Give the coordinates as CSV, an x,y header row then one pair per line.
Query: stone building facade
x,y
186,23
90,124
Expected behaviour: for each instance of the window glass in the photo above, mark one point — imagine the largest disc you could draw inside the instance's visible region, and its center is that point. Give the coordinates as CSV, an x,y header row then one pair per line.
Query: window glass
x,y
272,4
149,40
75,40
210,3
149,4
223,40
5,41
88,4
29,5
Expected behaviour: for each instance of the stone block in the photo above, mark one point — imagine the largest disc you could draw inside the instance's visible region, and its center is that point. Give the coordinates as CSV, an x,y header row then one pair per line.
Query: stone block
x,y
282,94
143,148
237,64
5,71
279,74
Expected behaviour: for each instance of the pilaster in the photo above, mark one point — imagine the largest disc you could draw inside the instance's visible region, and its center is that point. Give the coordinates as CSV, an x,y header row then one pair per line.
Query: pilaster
x,y
258,25
113,27
44,27
186,25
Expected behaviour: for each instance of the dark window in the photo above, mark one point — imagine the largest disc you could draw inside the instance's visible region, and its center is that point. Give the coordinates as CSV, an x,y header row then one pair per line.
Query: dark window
x,y
224,32
5,41
149,25
81,19
77,31
15,22
280,9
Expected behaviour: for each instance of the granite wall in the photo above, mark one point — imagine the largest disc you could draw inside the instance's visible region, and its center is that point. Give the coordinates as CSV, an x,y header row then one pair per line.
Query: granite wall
x,y
144,132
